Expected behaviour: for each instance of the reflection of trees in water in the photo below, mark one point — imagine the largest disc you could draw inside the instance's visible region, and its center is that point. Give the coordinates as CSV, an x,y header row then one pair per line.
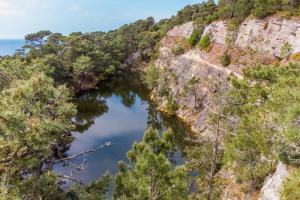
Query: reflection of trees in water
x,y
128,87
163,122
92,104
154,118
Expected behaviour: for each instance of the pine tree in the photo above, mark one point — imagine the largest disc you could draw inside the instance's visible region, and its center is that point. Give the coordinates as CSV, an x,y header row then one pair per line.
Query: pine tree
x,y
34,116
150,175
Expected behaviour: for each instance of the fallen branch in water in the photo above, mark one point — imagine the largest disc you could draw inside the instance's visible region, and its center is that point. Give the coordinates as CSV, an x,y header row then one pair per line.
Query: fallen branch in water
x,y
106,144
71,179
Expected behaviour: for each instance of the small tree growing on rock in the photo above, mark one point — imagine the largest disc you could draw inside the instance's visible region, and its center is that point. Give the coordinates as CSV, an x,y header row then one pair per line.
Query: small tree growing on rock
x,y
192,87
286,50
205,42
225,59
195,37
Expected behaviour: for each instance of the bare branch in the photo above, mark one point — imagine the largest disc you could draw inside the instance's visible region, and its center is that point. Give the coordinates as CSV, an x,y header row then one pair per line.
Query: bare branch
x,y
70,178
106,144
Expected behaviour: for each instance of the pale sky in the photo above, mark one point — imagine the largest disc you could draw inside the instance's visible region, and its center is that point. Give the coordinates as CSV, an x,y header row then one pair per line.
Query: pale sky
x,y
20,17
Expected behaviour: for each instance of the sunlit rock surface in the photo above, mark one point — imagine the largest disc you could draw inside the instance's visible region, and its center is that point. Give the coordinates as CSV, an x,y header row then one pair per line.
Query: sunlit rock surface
x,y
272,186
184,30
269,35
218,32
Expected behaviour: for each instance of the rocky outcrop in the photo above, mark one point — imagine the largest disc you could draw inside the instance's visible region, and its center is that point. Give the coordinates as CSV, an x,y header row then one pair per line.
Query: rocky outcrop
x,y
136,61
218,32
270,35
272,186
184,31
266,36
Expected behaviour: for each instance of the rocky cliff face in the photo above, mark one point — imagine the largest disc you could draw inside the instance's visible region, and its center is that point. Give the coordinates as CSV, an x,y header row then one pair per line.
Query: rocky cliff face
x,y
267,36
257,41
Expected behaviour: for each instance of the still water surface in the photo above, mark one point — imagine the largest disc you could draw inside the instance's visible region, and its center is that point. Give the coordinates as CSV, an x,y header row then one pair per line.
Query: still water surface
x,y
119,114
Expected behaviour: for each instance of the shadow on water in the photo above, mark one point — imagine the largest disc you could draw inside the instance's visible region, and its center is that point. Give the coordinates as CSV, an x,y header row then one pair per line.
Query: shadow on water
x,y
119,112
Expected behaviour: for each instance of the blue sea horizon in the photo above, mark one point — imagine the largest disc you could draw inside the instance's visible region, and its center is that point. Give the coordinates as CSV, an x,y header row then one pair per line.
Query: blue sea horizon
x,y
9,46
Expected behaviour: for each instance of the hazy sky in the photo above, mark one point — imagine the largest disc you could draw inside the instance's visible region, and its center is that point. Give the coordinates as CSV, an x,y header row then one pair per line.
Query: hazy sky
x,y
19,17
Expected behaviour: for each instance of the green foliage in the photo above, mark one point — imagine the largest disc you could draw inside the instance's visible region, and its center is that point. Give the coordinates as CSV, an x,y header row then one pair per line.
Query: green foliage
x,y
266,112
171,105
199,159
206,13
261,8
204,43
83,72
81,60
150,174
286,50
152,76
163,89
97,190
225,59
36,41
232,31
290,190
178,50
195,37
42,186
191,87
34,115
264,8
238,9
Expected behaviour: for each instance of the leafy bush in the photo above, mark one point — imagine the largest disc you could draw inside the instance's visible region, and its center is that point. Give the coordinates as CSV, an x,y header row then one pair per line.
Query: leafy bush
x,y
291,186
178,50
204,42
225,59
195,37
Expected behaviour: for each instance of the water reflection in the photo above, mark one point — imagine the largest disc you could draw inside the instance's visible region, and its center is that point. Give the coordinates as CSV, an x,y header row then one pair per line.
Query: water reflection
x,y
120,113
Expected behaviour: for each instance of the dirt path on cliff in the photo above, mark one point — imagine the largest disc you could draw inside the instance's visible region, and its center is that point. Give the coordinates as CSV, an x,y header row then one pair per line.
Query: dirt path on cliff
x,y
196,58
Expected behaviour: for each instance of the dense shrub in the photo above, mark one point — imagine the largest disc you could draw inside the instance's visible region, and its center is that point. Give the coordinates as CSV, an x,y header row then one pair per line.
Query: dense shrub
x,y
204,43
195,37
225,59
